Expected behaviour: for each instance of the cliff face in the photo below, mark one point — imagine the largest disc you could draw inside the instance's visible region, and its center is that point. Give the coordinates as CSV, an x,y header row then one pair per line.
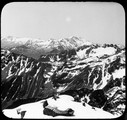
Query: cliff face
x,y
90,71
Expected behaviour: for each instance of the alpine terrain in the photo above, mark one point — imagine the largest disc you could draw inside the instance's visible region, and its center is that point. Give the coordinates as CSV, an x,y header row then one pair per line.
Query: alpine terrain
x,y
91,75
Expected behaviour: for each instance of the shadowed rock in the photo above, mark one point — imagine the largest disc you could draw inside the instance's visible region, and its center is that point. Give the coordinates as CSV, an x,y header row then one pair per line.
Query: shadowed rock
x,y
22,113
54,111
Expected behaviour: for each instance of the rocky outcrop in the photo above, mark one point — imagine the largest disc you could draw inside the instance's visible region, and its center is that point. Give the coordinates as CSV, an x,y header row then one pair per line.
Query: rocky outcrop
x,y
54,111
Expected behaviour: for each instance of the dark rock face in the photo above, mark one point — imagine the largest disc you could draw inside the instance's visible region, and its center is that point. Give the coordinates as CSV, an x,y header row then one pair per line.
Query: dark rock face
x,y
51,111
27,79
115,104
54,111
22,113
97,98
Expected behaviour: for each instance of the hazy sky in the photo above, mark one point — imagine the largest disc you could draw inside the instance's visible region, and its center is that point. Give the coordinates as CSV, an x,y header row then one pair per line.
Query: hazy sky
x,y
96,22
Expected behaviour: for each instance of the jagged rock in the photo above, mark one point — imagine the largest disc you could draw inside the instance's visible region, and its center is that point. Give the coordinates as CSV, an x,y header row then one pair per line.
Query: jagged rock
x,y
45,104
54,111
22,113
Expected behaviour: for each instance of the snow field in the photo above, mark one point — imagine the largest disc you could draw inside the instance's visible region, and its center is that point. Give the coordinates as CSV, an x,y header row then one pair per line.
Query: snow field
x,y
35,110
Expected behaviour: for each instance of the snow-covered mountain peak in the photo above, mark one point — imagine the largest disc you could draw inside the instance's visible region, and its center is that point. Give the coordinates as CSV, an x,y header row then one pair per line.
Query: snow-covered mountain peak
x,y
31,46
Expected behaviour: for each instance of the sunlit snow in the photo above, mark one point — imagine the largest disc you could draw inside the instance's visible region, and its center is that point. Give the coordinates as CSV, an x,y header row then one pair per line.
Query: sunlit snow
x,y
82,53
35,110
101,51
119,73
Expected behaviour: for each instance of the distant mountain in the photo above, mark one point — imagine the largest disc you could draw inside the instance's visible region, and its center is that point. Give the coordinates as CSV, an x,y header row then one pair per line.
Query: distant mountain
x,y
36,47
92,72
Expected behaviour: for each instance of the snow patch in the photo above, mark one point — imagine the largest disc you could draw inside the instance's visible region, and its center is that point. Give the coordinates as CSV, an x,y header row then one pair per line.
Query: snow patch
x,y
119,73
101,51
82,53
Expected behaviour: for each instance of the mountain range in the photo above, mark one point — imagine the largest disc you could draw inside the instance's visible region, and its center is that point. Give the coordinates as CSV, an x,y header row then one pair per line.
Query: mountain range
x,y
36,47
34,70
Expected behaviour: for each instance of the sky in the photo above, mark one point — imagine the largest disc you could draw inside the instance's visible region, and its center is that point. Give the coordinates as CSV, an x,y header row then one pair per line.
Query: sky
x,y
98,22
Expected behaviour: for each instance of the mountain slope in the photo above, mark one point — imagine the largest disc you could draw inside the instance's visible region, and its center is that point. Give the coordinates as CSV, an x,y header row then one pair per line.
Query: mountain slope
x,y
80,72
